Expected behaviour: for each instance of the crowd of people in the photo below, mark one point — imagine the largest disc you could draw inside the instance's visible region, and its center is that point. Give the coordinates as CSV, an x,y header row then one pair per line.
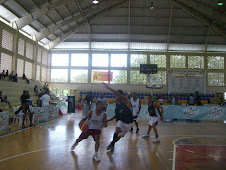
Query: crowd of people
x,y
10,76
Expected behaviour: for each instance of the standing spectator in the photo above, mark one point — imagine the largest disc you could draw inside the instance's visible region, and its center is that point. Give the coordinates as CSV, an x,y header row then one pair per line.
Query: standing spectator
x,y
197,98
174,100
191,100
45,98
80,100
4,98
88,100
36,90
104,100
39,102
24,97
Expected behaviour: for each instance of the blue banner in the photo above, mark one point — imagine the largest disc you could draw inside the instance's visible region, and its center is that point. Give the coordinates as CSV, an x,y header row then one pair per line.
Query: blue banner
x,y
4,121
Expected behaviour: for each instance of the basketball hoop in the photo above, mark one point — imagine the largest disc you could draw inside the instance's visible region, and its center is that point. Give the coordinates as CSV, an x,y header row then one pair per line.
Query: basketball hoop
x,y
154,83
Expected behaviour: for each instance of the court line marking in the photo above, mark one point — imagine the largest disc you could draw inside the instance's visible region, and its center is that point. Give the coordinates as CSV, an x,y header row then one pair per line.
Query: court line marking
x,y
214,156
190,151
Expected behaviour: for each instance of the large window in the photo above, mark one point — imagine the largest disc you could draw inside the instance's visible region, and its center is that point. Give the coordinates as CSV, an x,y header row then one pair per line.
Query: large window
x,y
59,75
60,60
79,76
177,61
28,70
161,74
38,73
137,78
79,59
160,60
119,77
196,62
6,62
215,79
215,62
137,59
100,60
119,60
29,50
20,67
7,40
94,79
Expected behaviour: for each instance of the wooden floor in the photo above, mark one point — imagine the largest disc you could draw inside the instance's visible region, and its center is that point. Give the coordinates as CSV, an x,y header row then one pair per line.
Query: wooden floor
x,y
47,147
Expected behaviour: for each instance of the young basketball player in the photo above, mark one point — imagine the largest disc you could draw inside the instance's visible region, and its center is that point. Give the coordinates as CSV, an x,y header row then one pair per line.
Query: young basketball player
x,y
156,116
123,116
136,104
98,119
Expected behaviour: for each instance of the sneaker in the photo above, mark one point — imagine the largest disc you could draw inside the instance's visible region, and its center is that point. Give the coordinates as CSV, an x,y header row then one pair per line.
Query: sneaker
x,y
109,146
131,129
95,157
73,146
112,150
156,140
137,130
145,136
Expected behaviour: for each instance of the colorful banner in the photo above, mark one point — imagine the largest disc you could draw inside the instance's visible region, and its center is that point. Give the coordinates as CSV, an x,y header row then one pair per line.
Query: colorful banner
x,y
102,76
4,121
53,111
42,113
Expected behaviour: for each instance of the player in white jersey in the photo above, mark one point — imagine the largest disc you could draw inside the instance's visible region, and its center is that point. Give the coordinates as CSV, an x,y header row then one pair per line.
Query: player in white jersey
x,y
156,116
136,105
98,119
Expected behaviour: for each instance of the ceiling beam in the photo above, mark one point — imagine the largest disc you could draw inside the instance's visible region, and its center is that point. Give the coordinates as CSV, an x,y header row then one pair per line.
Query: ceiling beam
x,y
202,8
25,20
87,12
200,18
83,25
2,1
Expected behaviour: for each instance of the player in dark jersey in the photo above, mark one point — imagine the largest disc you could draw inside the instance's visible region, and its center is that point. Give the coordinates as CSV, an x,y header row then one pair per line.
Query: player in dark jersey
x,y
156,116
123,116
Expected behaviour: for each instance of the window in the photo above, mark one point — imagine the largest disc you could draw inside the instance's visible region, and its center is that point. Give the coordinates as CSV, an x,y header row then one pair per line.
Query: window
x,y
59,75
21,46
160,60
29,50
39,55
196,62
215,62
60,60
44,74
45,57
7,40
100,71
215,79
38,73
137,78
119,77
100,60
177,61
161,74
137,59
79,76
6,62
20,67
79,59
119,60
28,70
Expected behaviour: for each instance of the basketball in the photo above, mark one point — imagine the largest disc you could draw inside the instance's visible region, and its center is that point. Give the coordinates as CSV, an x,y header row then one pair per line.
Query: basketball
x,y
83,126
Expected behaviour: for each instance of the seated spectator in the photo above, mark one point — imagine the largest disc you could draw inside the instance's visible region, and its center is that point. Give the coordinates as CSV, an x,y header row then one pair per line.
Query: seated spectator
x,y
25,111
24,97
4,98
190,100
25,78
3,75
45,86
45,99
36,90
15,78
7,73
11,76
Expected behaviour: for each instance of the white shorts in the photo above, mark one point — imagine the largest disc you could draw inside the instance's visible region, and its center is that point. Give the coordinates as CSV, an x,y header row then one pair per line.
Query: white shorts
x,y
124,127
154,120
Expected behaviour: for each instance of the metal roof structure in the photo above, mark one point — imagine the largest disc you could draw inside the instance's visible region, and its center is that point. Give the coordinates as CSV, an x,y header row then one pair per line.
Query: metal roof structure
x,y
171,24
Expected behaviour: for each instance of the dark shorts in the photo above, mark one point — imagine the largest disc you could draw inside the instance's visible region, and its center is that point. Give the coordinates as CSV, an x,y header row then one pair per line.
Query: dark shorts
x,y
92,132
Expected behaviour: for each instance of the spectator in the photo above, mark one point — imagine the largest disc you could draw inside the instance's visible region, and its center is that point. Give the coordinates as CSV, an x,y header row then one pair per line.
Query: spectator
x,y
190,100
45,86
160,100
25,111
25,78
7,73
104,101
197,99
80,100
36,90
174,100
89,101
24,97
15,78
39,102
4,98
129,95
45,98
11,76
28,95
3,75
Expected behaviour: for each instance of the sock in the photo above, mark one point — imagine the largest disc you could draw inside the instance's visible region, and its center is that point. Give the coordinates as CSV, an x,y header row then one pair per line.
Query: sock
x,y
157,136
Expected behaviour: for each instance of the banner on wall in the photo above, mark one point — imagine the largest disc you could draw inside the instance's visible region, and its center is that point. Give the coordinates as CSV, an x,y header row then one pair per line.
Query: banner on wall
x,y
102,76
4,121
53,111
42,113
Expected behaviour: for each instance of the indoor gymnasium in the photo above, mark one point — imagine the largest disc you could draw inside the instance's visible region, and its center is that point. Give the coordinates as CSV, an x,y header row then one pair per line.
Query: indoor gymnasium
x,y
112,84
